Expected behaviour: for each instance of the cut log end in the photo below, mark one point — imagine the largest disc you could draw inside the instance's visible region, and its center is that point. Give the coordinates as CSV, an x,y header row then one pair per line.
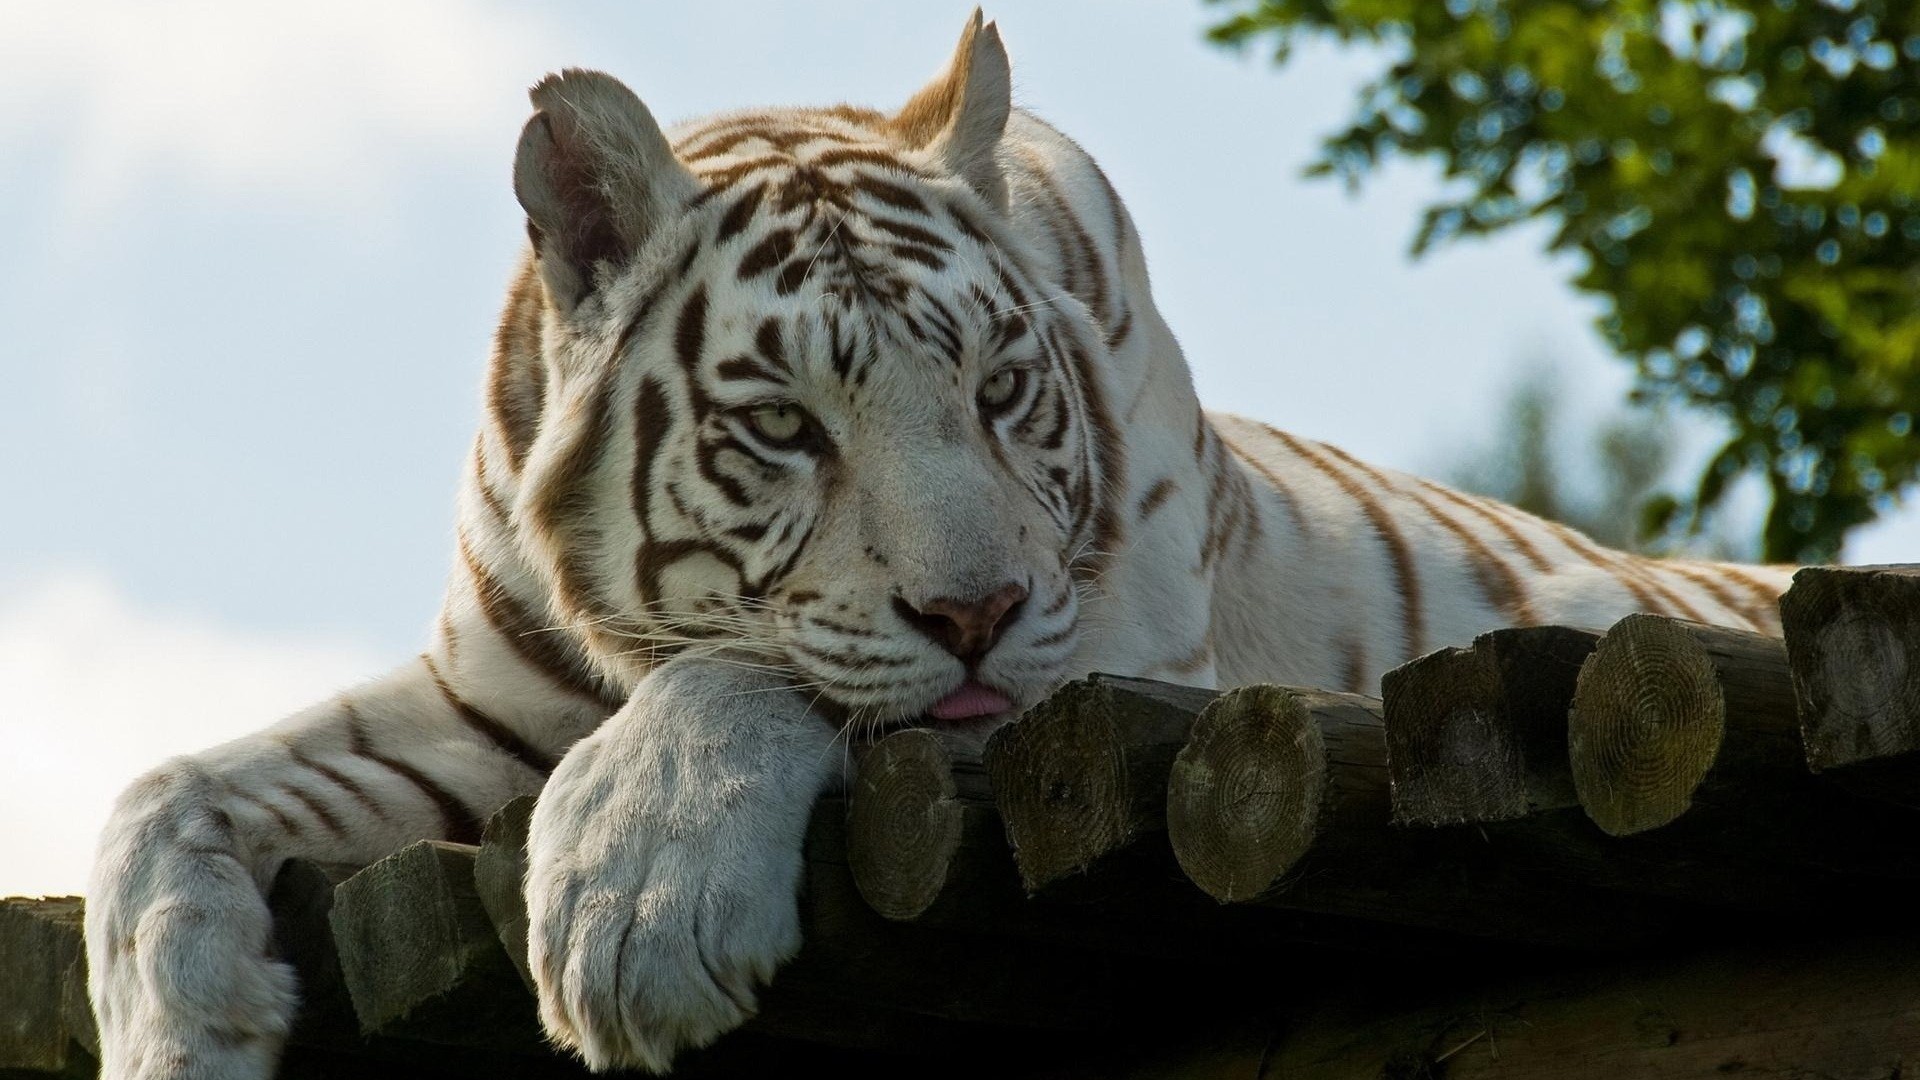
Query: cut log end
x,y
1244,796
1647,721
903,824
1850,632
1060,779
1450,754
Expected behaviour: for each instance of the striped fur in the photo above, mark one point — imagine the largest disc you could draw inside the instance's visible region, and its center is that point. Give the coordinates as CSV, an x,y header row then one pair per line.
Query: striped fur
x,y
654,603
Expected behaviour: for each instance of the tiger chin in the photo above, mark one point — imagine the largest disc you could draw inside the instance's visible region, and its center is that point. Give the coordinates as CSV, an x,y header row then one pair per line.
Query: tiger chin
x,y
800,424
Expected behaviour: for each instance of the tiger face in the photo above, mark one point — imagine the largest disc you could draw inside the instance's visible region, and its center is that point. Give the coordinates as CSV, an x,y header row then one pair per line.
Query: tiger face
x,y
809,403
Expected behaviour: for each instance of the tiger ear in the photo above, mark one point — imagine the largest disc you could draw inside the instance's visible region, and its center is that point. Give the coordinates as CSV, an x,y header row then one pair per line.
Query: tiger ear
x,y
595,175
961,115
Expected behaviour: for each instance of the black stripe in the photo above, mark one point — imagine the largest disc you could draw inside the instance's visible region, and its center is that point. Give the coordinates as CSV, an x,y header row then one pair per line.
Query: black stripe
x,y
739,214
457,823
503,738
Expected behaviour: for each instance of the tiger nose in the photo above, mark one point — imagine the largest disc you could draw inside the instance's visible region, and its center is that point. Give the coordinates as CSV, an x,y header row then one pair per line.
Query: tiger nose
x,y
965,628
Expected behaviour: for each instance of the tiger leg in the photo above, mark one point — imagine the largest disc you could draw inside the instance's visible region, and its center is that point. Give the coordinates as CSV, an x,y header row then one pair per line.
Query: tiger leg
x,y
664,861
178,933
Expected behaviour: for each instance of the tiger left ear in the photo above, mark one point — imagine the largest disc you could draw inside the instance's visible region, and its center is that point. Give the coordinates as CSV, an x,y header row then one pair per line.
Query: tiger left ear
x,y
961,115
596,177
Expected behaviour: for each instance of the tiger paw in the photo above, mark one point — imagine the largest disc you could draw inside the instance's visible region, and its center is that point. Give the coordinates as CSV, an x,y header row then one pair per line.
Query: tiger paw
x,y
661,890
178,941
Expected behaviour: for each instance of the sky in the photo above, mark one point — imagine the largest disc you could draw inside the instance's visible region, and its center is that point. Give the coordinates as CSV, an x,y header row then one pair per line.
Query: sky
x,y
251,257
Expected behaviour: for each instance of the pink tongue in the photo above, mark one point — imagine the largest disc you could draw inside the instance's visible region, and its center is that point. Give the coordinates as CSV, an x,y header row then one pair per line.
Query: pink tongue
x,y
969,701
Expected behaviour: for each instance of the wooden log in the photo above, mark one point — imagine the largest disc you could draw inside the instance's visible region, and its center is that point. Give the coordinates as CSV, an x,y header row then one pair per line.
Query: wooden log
x,y
859,983
301,903
1281,799
1082,776
958,875
1662,704
1479,733
42,963
1691,730
1853,644
1783,1011
421,959
922,830
500,874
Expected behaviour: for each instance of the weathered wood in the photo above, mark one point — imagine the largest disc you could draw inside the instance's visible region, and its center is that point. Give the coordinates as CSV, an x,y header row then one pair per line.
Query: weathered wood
x,y
42,959
301,903
964,880
420,957
922,828
1846,1010
1662,704
1479,733
1083,774
1853,644
1281,798
499,875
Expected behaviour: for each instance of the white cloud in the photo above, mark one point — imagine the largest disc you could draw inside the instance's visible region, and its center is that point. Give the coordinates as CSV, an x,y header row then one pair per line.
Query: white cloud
x,y
301,98
95,690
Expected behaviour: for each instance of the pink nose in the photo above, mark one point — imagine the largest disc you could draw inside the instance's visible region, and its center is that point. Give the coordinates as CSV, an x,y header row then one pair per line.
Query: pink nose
x,y
966,628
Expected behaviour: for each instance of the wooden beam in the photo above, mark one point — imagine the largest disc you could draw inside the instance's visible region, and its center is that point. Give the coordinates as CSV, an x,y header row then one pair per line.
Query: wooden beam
x,y
925,845
499,876
1789,1009
421,959
1853,644
1479,734
922,830
1663,705
1281,799
42,964
1082,776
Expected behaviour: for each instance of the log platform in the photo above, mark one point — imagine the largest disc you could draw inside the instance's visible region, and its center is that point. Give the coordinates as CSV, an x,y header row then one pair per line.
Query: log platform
x,y
1661,850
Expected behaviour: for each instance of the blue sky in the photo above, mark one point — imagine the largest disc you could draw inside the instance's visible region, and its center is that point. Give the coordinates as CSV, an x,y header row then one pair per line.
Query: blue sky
x,y
252,255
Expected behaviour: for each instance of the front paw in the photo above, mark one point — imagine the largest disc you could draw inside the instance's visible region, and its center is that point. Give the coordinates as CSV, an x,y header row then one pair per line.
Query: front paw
x,y
653,922
178,938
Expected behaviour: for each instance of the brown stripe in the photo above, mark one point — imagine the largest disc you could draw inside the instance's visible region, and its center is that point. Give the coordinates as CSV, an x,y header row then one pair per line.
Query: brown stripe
x,y
1541,564
457,823
1273,479
346,783
287,824
739,214
1702,577
1156,496
1602,559
1645,571
1075,246
545,649
1353,667
1400,555
1200,657
516,382
318,809
1766,594
1498,583
555,511
503,738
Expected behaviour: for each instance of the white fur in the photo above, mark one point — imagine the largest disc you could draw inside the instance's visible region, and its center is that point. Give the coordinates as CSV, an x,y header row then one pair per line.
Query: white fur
x,y
657,910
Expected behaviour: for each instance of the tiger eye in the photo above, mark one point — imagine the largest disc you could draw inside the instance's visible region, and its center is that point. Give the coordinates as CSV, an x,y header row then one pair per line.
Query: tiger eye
x,y
778,424
1000,389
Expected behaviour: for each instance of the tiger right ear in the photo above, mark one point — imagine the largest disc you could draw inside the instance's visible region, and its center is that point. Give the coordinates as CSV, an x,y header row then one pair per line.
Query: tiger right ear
x,y
962,113
595,175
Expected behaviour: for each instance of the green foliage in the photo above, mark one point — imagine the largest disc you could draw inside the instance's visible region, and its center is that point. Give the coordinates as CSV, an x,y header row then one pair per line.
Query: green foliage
x,y
1743,177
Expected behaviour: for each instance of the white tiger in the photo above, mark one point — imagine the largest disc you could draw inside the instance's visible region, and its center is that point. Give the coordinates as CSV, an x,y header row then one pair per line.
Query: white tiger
x,y
800,423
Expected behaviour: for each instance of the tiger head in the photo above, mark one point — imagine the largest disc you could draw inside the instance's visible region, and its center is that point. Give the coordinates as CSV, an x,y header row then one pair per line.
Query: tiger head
x,y
806,401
